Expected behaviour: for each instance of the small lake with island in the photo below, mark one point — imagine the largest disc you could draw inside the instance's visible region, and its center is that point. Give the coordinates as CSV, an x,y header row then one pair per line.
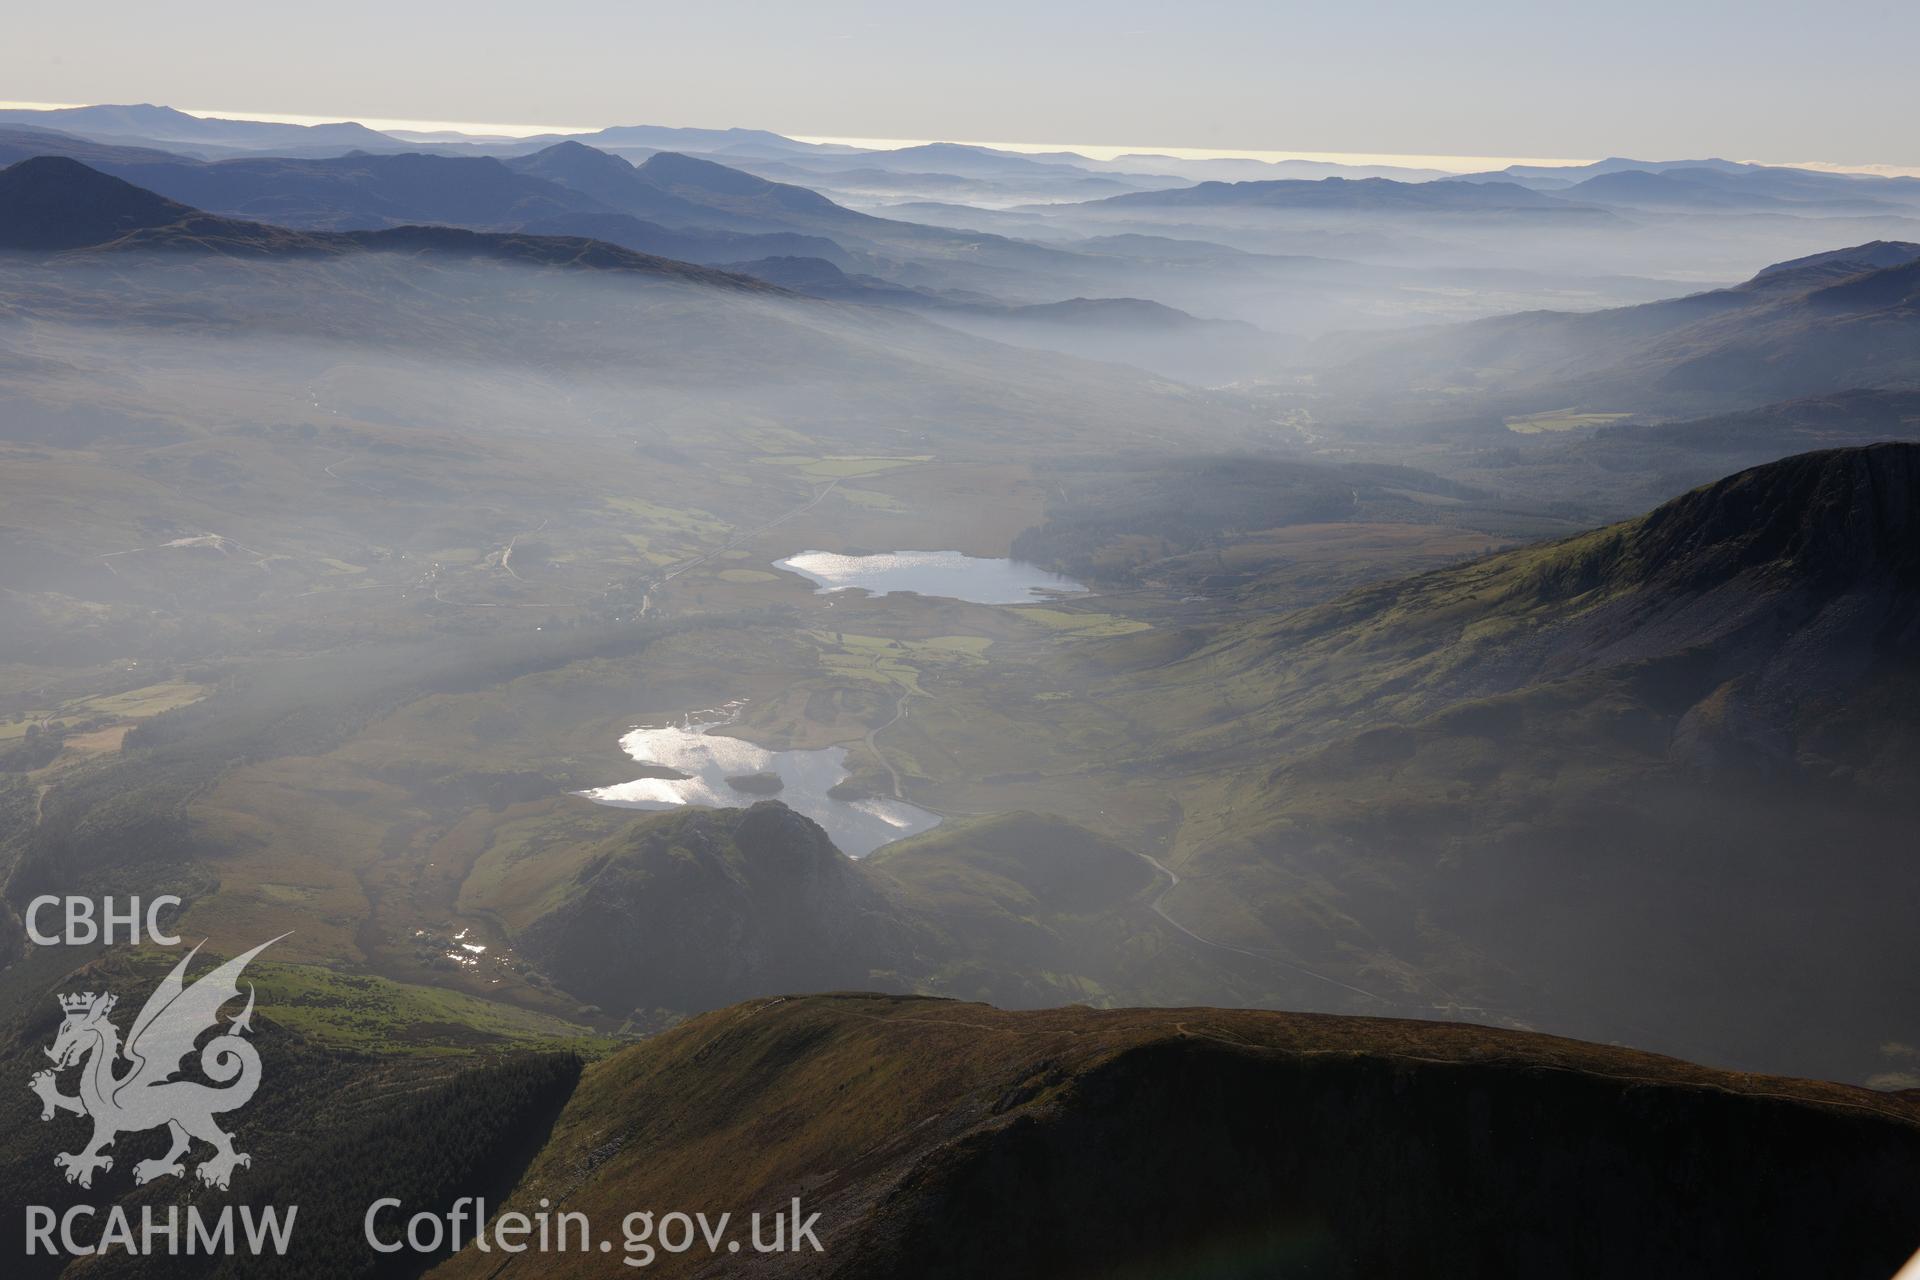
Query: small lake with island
x,y
977,579
688,764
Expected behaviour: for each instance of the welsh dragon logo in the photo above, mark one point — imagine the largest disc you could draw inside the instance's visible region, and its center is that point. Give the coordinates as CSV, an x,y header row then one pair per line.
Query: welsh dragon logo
x,y
144,1095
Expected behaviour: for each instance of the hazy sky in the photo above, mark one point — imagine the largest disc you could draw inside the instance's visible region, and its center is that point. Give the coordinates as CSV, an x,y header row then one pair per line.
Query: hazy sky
x,y
1772,80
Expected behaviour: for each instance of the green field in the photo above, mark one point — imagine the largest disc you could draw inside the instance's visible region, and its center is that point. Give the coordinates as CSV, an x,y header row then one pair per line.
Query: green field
x,y
1561,420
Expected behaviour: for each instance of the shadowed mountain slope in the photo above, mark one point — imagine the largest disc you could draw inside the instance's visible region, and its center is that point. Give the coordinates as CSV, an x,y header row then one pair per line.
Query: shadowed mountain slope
x,y
692,910
56,203
687,911
942,1139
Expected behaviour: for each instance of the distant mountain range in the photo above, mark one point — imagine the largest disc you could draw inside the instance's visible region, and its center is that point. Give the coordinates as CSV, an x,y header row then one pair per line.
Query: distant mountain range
x,y
1752,188
1727,172
547,205
1697,184
564,189
1011,228
1234,169
1799,328
364,191
431,289
1345,193
148,125
567,190
661,138
54,203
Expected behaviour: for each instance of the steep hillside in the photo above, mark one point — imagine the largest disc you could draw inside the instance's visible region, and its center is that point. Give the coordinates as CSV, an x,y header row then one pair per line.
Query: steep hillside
x,y
939,1139
1645,784
1751,568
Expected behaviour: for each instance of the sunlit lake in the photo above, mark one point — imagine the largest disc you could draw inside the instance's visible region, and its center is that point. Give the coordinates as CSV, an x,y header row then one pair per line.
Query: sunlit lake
x,y
980,579
858,827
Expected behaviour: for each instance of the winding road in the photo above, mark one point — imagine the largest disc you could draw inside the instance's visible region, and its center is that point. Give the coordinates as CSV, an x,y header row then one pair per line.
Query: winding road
x,y
873,746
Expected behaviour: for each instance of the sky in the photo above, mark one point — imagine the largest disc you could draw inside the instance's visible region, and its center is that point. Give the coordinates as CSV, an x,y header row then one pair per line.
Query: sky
x,y
1771,80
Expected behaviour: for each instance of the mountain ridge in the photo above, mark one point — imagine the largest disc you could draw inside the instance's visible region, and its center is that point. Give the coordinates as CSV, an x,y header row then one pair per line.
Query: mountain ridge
x,y
1819,325
164,124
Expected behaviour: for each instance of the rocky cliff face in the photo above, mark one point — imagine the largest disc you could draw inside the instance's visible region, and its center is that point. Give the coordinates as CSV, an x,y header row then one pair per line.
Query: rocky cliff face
x,y
1830,519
